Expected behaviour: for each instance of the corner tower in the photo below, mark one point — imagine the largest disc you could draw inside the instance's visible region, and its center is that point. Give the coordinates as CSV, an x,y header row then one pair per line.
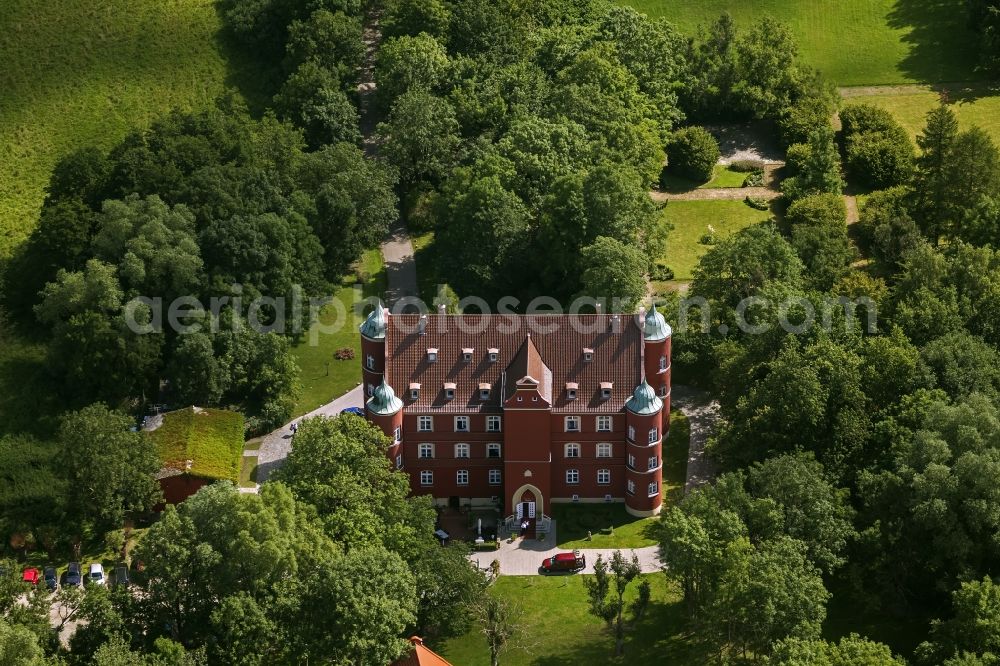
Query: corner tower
x,y
645,418
373,348
656,354
385,410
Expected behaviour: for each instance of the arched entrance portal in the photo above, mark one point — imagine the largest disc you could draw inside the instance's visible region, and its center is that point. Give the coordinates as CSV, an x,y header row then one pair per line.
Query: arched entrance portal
x,y
527,502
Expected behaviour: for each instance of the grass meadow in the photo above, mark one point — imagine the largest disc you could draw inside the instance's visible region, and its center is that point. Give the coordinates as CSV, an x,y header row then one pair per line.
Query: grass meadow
x,y
852,42
558,629
322,376
85,72
691,219
911,107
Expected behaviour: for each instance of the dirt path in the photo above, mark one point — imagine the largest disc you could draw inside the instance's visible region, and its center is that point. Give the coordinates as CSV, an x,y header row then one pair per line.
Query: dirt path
x,y
982,87
718,194
397,250
851,203
703,415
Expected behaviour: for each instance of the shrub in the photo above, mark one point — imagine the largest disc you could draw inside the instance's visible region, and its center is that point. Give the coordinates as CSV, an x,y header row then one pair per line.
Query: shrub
x,y
818,209
796,157
344,354
661,272
878,150
757,203
863,118
799,119
693,154
880,159
754,179
746,166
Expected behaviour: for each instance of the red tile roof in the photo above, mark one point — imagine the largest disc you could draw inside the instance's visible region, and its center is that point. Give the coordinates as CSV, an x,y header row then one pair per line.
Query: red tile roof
x,y
553,357
421,655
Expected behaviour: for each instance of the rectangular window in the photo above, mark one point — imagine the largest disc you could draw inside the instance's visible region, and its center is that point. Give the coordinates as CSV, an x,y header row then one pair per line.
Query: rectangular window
x,y
572,424
652,463
653,489
663,391
603,477
371,362
603,424
604,450
461,450
462,477
492,450
494,477
461,424
572,476
425,423
654,434
572,450
426,478
399,461
492,424
398,434
663,363
631,487
631,433
425,451
631,461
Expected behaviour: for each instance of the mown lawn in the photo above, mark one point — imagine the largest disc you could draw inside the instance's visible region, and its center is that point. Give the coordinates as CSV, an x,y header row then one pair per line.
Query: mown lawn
x,y
853,42
911,108
323,377
691,220
85,72
560,631
610,525
722,177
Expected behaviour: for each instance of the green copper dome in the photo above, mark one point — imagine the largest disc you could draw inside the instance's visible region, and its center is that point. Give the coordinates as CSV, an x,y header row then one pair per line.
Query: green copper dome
x,y
656,328
384,401
644,400
374,326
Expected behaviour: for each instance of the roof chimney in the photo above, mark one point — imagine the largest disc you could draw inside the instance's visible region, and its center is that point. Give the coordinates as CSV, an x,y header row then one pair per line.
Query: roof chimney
x,y
442,309
615,324
597,307
422,326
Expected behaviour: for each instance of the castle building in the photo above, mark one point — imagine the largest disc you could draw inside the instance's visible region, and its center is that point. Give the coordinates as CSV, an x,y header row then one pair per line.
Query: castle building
x,y
522,412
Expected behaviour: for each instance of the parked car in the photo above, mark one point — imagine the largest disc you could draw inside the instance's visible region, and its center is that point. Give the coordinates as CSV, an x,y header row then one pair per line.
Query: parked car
x,y
51,578
31,575
353,410
121,575
97,574
74,575
565,562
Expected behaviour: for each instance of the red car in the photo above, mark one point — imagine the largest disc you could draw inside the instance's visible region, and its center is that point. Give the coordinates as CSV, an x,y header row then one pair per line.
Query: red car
x,y
32,575
571,562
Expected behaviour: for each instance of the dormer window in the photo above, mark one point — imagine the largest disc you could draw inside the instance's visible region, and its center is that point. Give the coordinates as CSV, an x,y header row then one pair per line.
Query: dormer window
x,y
484,391
449,391
494,354
606,390
588,354
432,354
571,389
414,390
467,354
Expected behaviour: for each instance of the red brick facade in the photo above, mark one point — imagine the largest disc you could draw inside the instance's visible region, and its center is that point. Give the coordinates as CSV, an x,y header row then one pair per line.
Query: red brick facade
x,y
510,409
